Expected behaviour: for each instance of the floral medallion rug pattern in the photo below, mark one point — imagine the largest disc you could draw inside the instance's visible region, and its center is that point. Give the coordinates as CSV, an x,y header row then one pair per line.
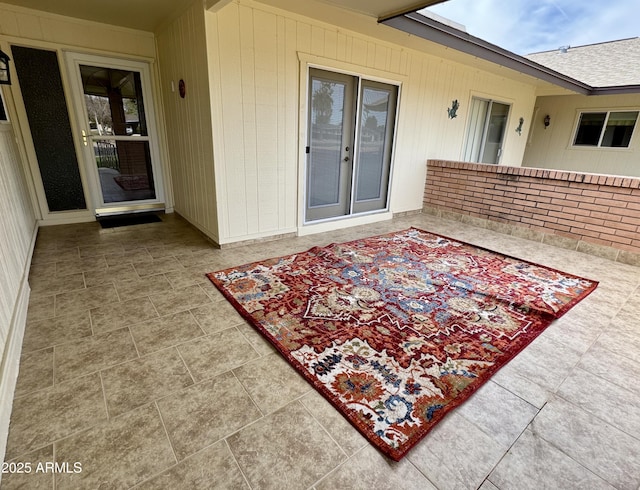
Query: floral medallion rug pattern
x,y
397,330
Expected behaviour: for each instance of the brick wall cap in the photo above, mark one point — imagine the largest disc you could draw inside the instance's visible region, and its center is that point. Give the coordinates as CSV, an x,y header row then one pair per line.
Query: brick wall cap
x,y
541,173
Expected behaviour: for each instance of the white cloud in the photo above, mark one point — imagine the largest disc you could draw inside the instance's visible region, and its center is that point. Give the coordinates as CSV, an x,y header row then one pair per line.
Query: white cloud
x,y
528,26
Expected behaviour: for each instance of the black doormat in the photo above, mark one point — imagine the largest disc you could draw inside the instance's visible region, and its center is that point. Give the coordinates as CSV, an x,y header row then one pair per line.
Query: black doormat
x,y
128,220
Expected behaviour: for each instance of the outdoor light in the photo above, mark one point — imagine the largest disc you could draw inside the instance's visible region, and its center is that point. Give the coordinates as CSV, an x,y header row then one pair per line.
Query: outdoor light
x,y
547,121
5,75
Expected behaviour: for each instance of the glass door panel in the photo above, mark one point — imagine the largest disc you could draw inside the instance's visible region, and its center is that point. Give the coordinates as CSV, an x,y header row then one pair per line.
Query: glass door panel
x,y
375,141
496,126
115,116
125,170
475,131
330,136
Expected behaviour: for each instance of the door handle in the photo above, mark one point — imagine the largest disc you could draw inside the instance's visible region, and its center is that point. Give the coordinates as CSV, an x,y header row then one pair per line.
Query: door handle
x,y
85,138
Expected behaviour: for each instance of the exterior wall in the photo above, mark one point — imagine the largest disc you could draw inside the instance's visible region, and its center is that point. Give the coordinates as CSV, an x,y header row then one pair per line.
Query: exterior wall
x,y
32,25
551,147
596,214
258,57
182,55
17,234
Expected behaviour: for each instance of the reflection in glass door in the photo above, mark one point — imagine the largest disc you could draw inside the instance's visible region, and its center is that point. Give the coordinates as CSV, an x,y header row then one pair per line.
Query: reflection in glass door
x,y
117,134
351,126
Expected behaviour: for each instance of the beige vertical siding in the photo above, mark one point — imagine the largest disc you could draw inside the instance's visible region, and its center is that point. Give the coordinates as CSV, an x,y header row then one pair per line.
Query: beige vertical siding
x,y
17,228
255,55
182,55
551,147
17,223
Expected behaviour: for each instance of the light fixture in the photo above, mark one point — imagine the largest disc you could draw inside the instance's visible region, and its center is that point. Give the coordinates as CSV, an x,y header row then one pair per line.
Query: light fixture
x,y
547,121
5,74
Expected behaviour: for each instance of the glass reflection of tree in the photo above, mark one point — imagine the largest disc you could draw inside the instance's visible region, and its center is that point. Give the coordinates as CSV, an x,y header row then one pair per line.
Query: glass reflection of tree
x,y
323,103
99,112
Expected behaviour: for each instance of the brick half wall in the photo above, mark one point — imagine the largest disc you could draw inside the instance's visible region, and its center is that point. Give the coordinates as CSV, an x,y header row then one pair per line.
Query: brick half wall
x,y
597,214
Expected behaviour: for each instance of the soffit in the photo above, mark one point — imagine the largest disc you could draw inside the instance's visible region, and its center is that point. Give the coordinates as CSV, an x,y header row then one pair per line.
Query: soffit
x,y
383,8
145,15
148,15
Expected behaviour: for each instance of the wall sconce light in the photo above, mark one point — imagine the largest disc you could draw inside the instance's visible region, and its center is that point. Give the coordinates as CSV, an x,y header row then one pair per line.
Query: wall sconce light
x,y
519,128
547,121
5,74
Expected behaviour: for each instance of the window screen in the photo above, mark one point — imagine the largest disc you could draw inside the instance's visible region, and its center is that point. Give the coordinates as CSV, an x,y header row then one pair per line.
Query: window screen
x,y
44,101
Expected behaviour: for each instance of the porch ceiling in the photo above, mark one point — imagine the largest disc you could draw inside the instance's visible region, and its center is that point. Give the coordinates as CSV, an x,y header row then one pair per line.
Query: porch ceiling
x,y
148,15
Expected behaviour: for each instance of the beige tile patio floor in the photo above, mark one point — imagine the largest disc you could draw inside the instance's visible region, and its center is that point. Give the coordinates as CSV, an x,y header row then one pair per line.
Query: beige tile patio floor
x,y
134,366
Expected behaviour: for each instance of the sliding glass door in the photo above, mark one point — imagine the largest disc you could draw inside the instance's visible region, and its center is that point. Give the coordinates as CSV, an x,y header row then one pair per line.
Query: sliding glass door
x,y
485,134
351,126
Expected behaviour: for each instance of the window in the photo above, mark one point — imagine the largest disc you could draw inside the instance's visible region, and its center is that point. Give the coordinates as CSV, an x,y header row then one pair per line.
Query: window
x,y
605,129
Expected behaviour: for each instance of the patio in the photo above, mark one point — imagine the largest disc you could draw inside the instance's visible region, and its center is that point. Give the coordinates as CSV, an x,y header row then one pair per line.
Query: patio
x,y
135,366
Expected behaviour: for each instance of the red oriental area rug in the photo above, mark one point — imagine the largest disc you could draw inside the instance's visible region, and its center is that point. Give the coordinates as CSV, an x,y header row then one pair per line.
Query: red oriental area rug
x,y
397,330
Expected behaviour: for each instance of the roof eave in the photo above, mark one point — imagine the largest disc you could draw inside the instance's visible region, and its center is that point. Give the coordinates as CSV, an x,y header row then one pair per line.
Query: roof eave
x,y
432,30
417,6
616,90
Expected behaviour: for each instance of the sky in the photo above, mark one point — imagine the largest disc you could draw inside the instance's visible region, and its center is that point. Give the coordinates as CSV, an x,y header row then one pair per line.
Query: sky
x,y
531,26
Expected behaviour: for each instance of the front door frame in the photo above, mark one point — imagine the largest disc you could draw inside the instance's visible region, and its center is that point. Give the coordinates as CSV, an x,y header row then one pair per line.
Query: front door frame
x,y
73,60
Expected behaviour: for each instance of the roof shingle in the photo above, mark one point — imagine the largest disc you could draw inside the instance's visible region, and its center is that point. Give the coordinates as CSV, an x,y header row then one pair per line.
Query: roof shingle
x,y
608,64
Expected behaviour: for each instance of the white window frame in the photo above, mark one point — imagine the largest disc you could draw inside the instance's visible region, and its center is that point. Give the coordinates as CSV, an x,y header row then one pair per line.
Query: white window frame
x,y
603,129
